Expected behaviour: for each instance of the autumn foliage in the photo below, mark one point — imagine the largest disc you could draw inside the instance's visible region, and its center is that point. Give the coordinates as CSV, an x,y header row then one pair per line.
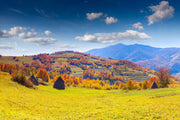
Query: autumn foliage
x,y
92,74
43,74
64,69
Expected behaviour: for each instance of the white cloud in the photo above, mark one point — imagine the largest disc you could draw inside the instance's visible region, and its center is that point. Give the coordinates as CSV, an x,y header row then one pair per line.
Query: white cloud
x,y
15,31
23,33
87,38
47,32
27,35
110,20
161,11
113,37
41,41
92,16
5,47
138,26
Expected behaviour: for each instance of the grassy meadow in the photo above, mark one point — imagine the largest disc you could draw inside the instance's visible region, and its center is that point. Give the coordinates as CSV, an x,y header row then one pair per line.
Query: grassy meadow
x,y
45,102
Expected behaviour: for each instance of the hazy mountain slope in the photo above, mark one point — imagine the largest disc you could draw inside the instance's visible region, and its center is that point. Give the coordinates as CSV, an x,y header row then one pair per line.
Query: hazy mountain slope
x,y
143,55
134,52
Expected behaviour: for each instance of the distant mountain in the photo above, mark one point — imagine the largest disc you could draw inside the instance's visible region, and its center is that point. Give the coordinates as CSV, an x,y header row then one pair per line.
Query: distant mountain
x,y
146,56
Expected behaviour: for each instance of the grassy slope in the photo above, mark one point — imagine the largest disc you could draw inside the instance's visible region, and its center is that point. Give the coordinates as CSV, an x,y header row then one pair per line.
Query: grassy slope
x,y
19,102
9,60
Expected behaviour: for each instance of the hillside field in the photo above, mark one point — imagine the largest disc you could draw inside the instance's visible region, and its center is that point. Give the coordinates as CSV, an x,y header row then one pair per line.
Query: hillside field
x,y
45,102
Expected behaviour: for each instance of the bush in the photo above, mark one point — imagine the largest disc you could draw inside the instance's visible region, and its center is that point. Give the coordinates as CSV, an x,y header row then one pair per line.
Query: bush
x,y
129,85
107,87
96,86
144,85
21,79
121,85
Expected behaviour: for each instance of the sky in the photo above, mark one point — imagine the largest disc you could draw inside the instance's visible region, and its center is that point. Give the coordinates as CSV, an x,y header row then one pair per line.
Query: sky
x,y
29,27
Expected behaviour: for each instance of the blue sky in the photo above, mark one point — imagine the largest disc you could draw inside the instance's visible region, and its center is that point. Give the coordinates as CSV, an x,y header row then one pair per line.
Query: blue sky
x,y
44,26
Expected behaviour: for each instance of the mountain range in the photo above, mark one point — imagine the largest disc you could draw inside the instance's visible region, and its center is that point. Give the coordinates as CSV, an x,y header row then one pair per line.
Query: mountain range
x,y
146,56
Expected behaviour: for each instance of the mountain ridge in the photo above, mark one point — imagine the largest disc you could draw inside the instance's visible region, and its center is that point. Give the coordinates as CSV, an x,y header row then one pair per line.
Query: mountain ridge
x,y
144,55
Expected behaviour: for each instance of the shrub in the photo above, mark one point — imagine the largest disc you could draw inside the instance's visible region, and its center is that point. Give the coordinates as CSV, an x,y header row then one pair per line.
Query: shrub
x,y
96,86
129,85
21,79
107,87
115,86
121,85
144,85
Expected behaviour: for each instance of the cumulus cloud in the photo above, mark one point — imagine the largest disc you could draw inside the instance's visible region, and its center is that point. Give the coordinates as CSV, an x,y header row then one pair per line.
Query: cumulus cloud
x,y
161,11
41,41
5,47
110,20
92,16
15,31
113,37
28,36
87,38
138,26
47,32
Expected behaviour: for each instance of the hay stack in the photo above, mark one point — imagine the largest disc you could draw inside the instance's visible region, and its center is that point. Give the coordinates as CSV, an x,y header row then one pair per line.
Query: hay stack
x,y
34,80
154,85
59,84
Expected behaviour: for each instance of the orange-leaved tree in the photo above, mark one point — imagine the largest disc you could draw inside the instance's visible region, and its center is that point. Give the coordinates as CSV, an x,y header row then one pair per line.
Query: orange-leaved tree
x,y
43,74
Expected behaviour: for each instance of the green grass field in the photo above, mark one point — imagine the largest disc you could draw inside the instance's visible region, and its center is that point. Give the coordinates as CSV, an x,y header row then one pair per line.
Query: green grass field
x,y
44,102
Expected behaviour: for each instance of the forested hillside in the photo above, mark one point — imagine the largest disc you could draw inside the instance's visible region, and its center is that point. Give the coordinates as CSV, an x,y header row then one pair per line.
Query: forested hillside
x,y
82,65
